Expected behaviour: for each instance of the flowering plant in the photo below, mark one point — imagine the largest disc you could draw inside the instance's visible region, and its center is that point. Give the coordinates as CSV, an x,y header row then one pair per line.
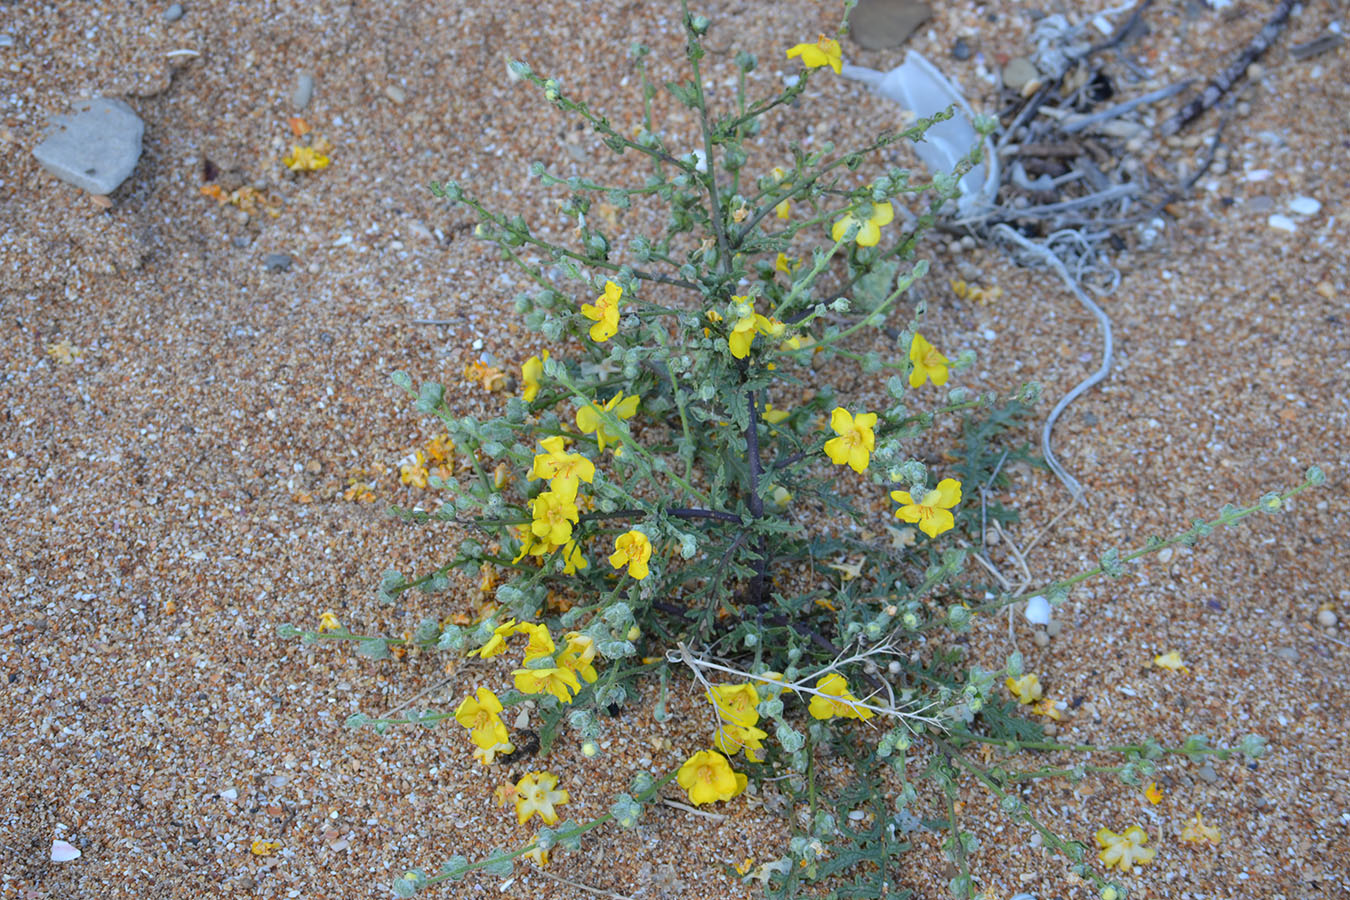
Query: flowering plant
x,y
676,472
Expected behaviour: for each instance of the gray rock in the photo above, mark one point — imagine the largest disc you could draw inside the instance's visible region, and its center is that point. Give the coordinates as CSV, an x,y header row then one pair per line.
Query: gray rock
x,y
1207,774
6,40
173,13
961,50
1260,204
97,148
304,91
277,262
1019,72
882,24
1288,654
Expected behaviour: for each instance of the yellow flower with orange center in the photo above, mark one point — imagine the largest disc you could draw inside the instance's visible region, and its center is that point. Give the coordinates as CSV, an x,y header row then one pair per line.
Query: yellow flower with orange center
x,y
856,440
632,549
604,313
536,795
708,778
933,512
1125,850
824,52
869,229
835,699
927,361
589,421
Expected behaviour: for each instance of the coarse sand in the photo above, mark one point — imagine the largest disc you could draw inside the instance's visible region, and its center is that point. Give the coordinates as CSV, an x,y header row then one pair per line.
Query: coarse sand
x,y
182,427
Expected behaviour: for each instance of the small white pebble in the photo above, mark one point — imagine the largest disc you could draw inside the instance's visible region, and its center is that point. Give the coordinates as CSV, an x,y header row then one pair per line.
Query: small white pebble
x,y
1038,610
1282,223
229,794
989,334
1305,206
1258,175
63,852
1326,618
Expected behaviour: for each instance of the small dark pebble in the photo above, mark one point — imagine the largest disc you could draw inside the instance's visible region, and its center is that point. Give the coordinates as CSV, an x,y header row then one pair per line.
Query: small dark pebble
x,y
173,13
240,242
277,262
1207,774
961,50
1214,605
1089,419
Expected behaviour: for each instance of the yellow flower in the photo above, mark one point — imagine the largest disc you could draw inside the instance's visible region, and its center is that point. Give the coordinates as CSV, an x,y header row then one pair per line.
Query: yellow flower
x,y
856,440
928,362
604,313
708,778
497,643
563,470
774,416
588,419
264,848
577,655
561,683
869,229
747,326
1048,708
932,512
824,52
329,622
539,855
745,866
1196,832
441,450
479,714
573,561
487,755
1171,660
553,515
632,549
541,642
305,159
536,796
782,263
737,703
824,707
1026,689
730,738
1153,793
1124,851
530,373
415,473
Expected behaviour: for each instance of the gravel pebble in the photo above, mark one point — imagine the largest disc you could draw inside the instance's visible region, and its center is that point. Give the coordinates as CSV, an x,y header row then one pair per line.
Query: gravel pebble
x,y
961,50
1018,72
1207,774
277,262
304,91
1282,223
1326,618
1305,206
173,13
96,148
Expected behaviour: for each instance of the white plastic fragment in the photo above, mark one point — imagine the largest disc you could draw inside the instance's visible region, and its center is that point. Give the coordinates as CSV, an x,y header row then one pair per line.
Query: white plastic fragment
x,y
1282,223
1038,610
63,852
917,85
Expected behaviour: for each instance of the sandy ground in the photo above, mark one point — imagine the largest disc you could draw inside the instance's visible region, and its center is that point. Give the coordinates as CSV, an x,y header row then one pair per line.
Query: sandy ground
x,y
175,490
